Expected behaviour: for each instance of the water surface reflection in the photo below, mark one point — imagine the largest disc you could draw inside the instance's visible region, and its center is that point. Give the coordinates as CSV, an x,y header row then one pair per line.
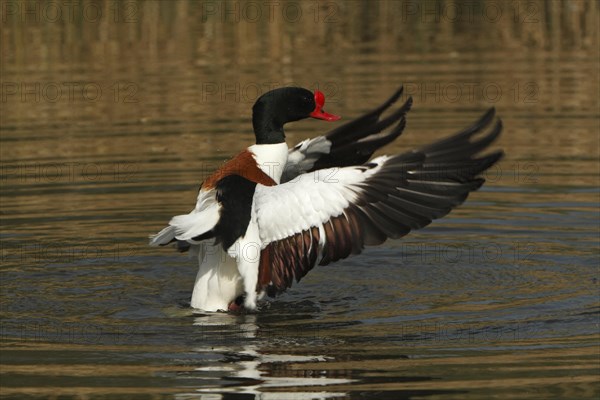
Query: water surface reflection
x,y
108,126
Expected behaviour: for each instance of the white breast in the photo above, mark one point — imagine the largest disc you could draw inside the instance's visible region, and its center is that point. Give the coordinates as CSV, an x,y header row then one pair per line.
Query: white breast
x,y
271,158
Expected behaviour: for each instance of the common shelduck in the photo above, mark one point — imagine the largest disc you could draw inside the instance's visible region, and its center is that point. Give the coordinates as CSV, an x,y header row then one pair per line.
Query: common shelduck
x,y
271,213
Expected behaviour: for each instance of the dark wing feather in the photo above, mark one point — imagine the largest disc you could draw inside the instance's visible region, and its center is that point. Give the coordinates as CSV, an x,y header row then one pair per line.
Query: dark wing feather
x,y
352,143
407,192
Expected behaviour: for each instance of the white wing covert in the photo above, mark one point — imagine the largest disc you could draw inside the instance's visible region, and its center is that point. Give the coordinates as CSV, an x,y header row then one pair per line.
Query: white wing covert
x,y
326,215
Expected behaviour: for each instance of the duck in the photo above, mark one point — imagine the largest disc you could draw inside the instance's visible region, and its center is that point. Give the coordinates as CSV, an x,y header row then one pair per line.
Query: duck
x,y
271,213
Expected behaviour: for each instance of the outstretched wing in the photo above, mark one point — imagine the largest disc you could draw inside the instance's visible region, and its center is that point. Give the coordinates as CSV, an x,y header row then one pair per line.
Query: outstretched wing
x,y
350,144
327,215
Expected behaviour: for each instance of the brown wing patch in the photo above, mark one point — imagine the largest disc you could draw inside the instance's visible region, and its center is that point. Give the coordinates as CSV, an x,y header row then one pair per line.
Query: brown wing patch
x,y
243,165
291,258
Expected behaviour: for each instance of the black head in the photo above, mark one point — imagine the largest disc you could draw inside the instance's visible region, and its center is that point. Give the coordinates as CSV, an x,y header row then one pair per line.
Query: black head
x,y
277,107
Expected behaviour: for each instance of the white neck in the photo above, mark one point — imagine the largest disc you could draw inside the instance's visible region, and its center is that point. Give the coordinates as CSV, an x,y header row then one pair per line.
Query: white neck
x,y
271,158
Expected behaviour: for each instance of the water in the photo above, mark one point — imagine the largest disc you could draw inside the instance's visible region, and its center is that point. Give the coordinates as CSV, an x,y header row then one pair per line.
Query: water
x,y
111,119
